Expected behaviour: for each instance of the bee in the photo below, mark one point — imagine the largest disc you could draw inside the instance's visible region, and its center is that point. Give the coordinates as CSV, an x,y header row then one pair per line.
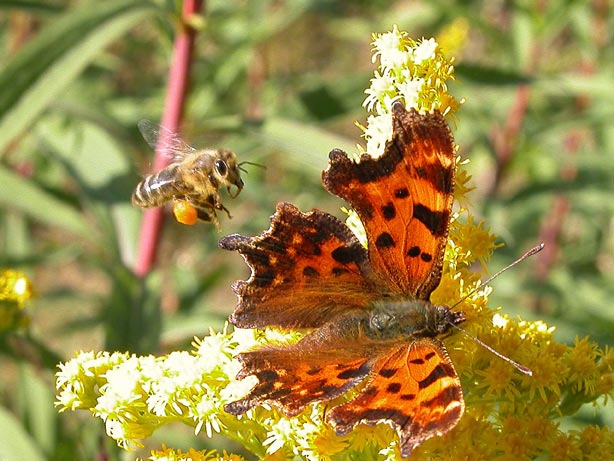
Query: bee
x,y
192,180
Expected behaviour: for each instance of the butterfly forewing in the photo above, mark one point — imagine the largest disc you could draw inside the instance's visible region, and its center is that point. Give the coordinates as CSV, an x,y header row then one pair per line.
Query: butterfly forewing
x,y
406,221
306,269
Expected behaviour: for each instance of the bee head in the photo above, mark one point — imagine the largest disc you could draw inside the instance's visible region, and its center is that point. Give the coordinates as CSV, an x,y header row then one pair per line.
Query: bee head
x,y
226,169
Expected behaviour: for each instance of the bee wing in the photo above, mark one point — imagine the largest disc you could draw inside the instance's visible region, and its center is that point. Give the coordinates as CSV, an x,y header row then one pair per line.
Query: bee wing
x,y
173,144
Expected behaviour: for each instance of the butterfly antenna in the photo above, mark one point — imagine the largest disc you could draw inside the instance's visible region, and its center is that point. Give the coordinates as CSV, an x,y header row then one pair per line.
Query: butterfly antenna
x,y
520,368
536,249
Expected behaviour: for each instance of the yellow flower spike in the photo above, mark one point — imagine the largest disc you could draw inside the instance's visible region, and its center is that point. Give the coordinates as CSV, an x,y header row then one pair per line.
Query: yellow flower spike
x,y
565,446
590,376
596,443
15,287
15,291
453,37
519,444
540,428
549,369
167,454
497,380
583,369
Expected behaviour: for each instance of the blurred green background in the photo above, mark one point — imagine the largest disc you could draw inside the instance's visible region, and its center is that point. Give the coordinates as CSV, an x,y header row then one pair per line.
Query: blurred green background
x,y
281,83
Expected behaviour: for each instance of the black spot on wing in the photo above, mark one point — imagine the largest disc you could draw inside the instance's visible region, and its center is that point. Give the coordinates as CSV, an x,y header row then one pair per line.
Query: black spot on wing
x,y
421,172
393,388
384,240
445,182
442,370
279,393
347,255
435,221
264,279
388,372
267,375
403,192
389,211
351,373
309,271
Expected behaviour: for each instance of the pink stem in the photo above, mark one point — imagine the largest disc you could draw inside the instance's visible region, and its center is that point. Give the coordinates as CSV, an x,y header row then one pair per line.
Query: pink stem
x,y
173,109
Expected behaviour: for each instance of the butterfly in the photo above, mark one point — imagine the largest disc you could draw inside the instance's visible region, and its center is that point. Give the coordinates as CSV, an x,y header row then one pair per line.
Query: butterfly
x,y
372,324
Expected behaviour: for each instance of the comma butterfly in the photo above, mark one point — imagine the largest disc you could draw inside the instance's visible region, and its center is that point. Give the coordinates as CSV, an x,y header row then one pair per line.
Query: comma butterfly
x,y
369,309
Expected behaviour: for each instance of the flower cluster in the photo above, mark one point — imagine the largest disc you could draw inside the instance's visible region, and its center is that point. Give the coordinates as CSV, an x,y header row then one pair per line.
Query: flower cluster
x,y
415,72
508,415
15,291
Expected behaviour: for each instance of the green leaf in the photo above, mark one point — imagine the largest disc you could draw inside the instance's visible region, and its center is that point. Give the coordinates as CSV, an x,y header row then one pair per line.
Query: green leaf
x,y
31,7
21,193
36,404
16,443
36,76
307,145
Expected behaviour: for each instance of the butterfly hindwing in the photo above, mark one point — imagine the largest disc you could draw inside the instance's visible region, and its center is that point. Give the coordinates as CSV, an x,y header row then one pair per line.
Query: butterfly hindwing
x,y
403,198
322,366
414,387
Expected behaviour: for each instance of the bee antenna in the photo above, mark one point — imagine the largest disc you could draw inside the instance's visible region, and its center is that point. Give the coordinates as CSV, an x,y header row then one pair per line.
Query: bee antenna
x,y
249,163
536,249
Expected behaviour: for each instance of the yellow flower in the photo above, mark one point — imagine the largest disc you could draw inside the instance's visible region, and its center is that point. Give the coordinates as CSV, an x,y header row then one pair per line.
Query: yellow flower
x,y
15,291
167,454
565,446
596,443
583,371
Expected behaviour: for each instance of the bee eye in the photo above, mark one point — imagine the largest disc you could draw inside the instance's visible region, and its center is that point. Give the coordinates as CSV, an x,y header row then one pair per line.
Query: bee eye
x,y
221,167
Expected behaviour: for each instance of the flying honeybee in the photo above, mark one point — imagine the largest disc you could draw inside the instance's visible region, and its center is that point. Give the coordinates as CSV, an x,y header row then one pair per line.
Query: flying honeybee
x,y
191,181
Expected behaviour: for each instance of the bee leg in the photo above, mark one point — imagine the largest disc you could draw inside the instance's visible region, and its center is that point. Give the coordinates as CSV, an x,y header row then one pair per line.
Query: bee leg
x,y
208,215
205,215
216,202
222,207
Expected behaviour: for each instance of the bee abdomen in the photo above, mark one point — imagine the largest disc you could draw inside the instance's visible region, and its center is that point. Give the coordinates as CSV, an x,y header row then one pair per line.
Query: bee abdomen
x,y
157,189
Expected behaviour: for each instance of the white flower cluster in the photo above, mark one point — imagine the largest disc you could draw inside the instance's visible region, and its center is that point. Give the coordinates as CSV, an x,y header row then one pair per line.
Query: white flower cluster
x,y
414,72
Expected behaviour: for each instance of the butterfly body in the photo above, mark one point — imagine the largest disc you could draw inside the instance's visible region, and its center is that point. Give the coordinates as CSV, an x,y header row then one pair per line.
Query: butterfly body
x,y
407,320
373,325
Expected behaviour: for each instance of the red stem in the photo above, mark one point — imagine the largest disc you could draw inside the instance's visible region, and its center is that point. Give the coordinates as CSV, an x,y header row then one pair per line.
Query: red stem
x,y
173,109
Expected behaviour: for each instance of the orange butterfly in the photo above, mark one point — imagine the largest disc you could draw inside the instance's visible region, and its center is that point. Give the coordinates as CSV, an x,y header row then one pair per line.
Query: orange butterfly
x,y
369,310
